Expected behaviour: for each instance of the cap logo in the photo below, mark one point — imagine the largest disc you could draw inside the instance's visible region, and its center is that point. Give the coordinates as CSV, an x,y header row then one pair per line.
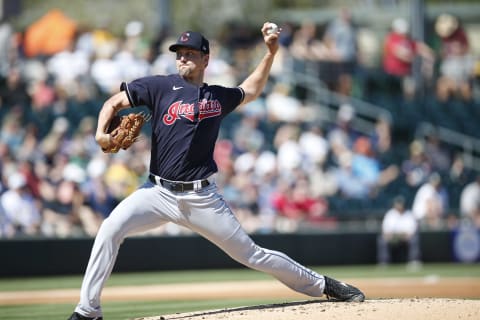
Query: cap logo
x,y
185,37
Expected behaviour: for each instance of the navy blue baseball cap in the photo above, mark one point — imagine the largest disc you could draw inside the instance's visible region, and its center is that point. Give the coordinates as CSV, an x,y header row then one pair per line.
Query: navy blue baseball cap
x,y
193,40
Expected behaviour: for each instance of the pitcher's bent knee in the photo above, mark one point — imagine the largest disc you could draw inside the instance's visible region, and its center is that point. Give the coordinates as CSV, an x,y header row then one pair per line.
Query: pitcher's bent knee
x,y
110,230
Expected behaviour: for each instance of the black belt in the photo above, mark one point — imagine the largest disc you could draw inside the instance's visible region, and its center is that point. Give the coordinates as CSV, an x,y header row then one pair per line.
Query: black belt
x,y
179,186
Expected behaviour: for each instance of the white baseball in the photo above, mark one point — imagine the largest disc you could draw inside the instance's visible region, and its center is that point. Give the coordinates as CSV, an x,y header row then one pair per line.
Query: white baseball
x,y
272,28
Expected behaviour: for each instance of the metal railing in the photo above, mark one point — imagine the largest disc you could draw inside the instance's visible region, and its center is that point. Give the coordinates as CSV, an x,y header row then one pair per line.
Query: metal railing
x,y
328,102
366,114
470,146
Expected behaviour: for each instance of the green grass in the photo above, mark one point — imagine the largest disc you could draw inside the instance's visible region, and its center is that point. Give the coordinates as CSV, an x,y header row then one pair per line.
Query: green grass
x,y
400,270
128,279
166,277
122,310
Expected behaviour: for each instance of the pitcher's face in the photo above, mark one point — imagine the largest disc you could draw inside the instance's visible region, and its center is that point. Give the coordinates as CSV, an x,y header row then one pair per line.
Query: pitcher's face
x,y
190,62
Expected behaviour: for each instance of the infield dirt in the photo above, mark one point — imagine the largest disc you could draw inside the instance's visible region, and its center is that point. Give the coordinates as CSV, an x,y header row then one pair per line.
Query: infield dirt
x,y
430,298
394,309
387,298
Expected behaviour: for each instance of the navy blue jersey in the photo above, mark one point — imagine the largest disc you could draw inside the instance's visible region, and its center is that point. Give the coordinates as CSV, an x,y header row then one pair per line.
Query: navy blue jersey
x,y
185,123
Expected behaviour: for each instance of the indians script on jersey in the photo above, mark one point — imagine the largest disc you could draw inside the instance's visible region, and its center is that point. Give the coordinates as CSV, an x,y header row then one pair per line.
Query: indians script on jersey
x,y
207,109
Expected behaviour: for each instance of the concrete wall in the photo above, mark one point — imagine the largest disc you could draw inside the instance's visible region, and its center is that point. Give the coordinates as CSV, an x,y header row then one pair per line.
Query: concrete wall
x,y
70,256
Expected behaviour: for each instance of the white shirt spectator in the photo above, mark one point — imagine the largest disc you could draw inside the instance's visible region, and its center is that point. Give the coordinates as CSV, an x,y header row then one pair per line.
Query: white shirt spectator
x,y
6,229
19,206
342,34
399,226
265,164
244,162
289,157
219,70
470,199
429,203
66,66
131,67
6,35
281,106
106,74
314,145
164,64
396,222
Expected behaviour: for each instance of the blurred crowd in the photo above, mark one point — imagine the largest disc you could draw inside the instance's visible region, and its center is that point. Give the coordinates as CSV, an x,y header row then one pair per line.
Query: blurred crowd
x,y
279,168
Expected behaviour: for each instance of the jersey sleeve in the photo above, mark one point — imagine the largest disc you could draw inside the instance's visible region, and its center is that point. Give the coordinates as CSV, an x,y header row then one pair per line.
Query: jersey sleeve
x,y
232,97
139,91
124,87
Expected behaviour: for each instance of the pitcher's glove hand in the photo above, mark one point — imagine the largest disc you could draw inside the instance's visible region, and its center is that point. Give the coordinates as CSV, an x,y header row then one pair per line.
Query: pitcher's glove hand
x,y
124,131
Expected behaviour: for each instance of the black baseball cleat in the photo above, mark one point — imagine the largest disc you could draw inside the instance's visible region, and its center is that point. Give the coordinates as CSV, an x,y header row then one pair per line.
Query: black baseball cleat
x,y
77,316
342,291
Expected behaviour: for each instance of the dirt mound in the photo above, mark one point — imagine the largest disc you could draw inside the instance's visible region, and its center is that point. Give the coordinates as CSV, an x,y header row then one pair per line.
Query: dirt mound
x,y
412,309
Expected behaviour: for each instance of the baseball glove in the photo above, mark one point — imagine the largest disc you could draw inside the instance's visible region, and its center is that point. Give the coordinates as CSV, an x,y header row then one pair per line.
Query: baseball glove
x,y
124,131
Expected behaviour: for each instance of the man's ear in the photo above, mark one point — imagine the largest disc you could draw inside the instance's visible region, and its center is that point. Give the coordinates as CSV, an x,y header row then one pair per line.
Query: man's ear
x,y
206,59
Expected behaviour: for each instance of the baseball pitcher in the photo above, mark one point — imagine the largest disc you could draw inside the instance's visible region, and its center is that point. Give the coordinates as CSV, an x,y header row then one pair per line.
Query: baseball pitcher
x,y
186,114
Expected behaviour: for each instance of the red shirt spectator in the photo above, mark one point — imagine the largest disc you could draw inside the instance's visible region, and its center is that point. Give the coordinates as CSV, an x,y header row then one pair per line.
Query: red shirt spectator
x,y
457,64
454,39
296,203
399,51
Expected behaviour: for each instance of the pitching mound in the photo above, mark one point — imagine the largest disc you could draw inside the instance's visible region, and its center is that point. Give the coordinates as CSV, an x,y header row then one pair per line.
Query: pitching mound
x,y
412,309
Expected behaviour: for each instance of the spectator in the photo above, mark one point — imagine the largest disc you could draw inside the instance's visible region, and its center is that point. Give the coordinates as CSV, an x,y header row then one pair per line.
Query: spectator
x,y
342,134
6,229
457,63
399,53
163,63
120,178
304,40
135,41
223,155
399,231
437,154
470,202
21,214
367,166
63,203
27,169
85,40
104,70
305,50
295,204
350,185
323,182
67,67
245,202
382,140
430,204
459,173
99,201
12,132
416,167
340,39
132,56
364,164
14,93
247,136
266,182
289,152
6,41
219,70
282,106
58,212
314,146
